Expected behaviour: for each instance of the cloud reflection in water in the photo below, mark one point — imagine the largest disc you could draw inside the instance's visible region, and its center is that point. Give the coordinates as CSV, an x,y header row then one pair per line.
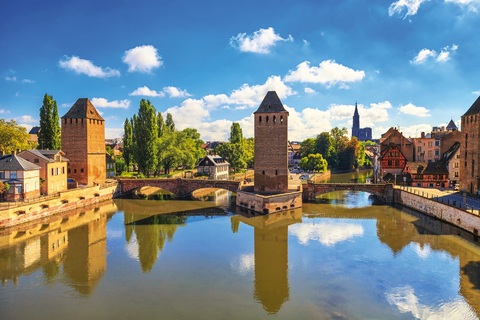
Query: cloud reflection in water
x,y
327,233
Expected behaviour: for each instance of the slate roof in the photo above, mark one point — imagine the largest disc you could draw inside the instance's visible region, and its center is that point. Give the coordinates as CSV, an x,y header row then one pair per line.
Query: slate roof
x,y
475,108
452,126
423,167
215,160
271,103
83,108
448,155
47,155
34,130
11,162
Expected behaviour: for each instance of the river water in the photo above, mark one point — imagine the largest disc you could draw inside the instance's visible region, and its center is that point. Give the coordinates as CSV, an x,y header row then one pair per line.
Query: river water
x,y
346,257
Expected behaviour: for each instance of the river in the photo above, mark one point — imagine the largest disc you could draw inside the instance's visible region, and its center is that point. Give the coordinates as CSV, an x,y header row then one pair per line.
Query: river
x,y
346,257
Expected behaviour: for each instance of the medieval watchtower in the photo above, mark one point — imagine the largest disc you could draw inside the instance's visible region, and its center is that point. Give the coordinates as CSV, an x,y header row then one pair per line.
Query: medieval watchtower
x,y
470,150
271,140
83,141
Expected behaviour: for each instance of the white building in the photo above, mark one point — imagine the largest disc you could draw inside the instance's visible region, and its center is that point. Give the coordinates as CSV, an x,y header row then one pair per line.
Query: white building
x,y
215,167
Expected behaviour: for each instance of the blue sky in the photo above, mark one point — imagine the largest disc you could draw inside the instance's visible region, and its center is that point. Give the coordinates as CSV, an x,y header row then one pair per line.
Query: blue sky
x,y
408,63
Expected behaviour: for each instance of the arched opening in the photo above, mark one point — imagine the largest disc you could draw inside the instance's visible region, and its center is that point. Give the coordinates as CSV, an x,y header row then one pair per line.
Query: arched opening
x,y
152,193
217,196
267,120
281,119
274,119
260,119
347,198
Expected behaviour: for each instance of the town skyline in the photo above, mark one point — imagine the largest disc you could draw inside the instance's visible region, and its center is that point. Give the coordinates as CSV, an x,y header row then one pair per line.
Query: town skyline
x,y
407,65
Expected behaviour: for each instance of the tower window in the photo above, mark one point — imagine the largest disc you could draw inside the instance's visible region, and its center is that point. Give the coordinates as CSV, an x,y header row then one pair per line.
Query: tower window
x,y
74,170
82,120
70,120
263,172
274,119
260,119
276,172
267,119
81,170
281,119
76,120
65,120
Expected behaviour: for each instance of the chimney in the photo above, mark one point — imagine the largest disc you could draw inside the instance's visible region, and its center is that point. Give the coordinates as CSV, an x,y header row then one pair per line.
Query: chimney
x,y
422,135
14,152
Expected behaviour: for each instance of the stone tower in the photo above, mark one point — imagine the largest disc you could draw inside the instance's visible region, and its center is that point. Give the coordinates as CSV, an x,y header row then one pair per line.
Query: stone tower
x,y
271,139
83,141
469,150
356,122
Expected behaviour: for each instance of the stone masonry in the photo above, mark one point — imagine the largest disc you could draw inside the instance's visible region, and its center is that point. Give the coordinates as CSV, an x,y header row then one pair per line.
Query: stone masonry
x,y
83,141
470,150
271,139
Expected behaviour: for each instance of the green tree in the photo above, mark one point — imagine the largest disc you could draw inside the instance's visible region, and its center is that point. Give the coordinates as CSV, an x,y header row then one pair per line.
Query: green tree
x,y
160,124
249,151
236,134
360,156
13,137
175,148
169,124
146,137
314,162
4,187
197,143
128,149
233,153
347,156
307,147
324,145
340,138
49,134
120,165
109,150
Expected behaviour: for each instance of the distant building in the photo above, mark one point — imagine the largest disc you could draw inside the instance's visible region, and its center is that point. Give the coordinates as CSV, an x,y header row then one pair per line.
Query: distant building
x,y
83,141
22,176
362,134
53,170
470,150
215,167
427,174
33,135
452,160
392,160
110,166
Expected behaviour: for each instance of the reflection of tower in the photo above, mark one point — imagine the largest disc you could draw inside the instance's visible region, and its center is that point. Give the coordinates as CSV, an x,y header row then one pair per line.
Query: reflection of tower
x,y
271,257
85,261
271,267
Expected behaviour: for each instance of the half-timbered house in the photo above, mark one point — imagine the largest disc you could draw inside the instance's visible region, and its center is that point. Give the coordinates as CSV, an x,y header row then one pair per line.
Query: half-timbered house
x,y
392,160
428,174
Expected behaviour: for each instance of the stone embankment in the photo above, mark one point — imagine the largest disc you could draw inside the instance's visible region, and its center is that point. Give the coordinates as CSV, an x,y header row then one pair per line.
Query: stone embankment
x,y
15,213
462,218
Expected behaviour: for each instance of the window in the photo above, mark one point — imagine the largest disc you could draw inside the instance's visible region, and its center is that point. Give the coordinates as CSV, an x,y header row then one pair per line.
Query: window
x,y
419,149
419,158
419,141
57,172
18,189
51,186
456,165
36,161
429,144
457,156
437,143
263,172
430,153
2,175
81,170
68,170
74,170
63,170
260,119
13,174
51,172
276,172
437,152
455,174
267,119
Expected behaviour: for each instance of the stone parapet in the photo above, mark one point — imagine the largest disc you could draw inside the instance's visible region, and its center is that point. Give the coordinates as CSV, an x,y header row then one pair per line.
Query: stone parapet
x,y
269,203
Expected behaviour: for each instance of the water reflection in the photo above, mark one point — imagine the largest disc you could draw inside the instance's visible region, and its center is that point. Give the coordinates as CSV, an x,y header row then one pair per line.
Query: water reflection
x,y
271,257
72,244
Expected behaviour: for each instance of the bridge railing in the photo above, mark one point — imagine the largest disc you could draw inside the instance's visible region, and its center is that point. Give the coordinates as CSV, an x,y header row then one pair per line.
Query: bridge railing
x,y
459,204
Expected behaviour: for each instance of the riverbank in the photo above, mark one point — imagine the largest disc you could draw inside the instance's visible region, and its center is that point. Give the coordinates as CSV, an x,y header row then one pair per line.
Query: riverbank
x,y
12,214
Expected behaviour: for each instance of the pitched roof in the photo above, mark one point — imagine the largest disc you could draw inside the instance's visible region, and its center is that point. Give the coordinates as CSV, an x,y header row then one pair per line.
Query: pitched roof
x,y
215,160
34,130
452,126
447,155
475,108
83,108
47,155
11,162
271,103
423,167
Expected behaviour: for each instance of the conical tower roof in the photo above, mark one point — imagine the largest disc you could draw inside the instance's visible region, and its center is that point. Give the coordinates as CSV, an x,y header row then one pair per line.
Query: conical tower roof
x,y
355,114
475,108
452,126
83,108
270,104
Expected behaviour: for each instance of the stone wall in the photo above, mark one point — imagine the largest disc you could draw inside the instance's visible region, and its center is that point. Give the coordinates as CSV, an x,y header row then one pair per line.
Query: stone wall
x,y
469,154
269,204
465,220
271,152
66,200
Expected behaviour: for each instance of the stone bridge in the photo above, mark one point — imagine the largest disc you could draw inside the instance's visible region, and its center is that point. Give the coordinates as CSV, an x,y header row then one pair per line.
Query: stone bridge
x,y
179,187
381,191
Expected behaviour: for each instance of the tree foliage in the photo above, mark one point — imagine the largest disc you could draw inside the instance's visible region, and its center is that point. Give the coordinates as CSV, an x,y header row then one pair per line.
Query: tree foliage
x,y
49,134
169,124
146,137
4,187
13,137
233,153
249,151
307,147
314,162
128,150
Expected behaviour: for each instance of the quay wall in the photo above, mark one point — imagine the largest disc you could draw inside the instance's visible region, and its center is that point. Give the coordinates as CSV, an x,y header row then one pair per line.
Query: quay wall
x,y
12,214
462,219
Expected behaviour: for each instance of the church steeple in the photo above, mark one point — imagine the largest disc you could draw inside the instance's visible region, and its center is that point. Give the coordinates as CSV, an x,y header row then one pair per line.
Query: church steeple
x,y
356,122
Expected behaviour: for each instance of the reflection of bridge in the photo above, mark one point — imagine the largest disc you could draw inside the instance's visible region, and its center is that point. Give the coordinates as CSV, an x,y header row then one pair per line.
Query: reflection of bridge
x,y
179,187
382,191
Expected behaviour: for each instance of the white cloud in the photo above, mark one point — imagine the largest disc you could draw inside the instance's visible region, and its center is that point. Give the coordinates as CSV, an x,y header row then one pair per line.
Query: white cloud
x,y
471,5
476,92
67,105
423,55
104,103
4,111
411,6
10,76
376,113
414,110
26,126
307,123
26,119
176,92
243,264
328,73
28,81
413,130
259,42
86,67
142,59
310,90
112,133
406,301
326,233
145,91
